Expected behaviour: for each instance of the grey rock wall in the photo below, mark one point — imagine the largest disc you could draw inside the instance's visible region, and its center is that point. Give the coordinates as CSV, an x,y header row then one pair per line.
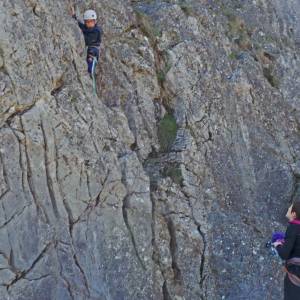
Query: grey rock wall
x,y
169,182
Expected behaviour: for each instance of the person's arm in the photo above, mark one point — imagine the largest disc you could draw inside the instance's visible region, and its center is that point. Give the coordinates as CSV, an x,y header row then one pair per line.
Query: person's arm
x,y
80,24
100,35
73,14
285,249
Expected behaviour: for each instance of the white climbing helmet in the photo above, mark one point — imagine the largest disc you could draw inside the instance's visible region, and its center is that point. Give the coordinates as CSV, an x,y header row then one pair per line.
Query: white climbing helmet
x,y
89,15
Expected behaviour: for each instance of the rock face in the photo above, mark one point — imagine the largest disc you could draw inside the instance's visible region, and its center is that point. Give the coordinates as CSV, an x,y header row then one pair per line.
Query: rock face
x,y
168,183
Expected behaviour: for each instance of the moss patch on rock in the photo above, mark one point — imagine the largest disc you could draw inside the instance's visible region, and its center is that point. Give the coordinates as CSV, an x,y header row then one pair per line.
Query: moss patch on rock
x,y
174,172
271,77
147,25
167,130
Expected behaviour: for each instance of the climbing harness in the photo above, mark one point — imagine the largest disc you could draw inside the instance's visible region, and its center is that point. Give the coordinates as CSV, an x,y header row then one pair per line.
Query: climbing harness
x,y
94,74
292,277
93,54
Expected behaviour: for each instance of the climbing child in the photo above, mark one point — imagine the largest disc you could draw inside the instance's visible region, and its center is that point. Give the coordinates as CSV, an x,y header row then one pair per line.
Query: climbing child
x,y
92,35
289,250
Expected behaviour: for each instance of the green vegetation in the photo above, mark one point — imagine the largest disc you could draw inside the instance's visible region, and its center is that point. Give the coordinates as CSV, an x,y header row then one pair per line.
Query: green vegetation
x,y
186,8
238,32
73,98
167,130
161,77
161,74
151,30
273,80
174,172
242,37
233,55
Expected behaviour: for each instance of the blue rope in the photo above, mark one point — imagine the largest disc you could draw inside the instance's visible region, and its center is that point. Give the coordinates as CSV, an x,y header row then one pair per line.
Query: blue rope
x,y
93,75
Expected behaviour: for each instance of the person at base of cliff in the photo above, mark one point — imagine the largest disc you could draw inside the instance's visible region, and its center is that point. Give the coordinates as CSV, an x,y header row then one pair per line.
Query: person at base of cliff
x,y
289,250
92,33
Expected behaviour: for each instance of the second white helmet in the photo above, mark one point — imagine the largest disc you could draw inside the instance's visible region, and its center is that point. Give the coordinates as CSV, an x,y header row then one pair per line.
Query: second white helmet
x,y
90,15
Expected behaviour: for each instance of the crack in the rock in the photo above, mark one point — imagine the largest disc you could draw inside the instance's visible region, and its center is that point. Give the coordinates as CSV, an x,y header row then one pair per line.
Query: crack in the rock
x,y
38,278
88,184
125,208
39,207
80,115
10,258
16,214
3,254
93,203
165,293
72,222
21,156
82,272
174,250
76,261
11,262
69,288
155,254
35,10
203,238
156,257
173,244
5,177
202,262
19,111
70,215
49,179
22,274
60,189
65,280
58,88
126,221
98,198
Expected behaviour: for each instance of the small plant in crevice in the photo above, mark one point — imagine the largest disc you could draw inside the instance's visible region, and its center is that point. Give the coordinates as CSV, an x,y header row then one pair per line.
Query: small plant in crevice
x,y
174,172
271,77
147,26
161,77
163,67
233,55
73,99
161,74
240,34
186,8
237,30
268,63
167,131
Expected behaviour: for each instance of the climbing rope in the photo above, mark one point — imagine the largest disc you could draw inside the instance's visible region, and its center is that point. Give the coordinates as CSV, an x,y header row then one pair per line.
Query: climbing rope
x,y
94,75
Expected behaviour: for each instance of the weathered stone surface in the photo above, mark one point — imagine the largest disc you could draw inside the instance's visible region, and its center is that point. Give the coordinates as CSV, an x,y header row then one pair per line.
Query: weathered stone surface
x,y
169,182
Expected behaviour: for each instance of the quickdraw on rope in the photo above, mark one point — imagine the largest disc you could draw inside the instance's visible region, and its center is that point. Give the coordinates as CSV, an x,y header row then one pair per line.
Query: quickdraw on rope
x,y
93,75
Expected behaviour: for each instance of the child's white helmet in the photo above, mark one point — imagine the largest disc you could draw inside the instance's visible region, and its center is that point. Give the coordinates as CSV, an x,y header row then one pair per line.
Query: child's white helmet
x,y
89,15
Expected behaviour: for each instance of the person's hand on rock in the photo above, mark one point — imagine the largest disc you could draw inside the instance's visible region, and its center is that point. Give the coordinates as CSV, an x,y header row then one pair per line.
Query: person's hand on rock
x,y
72,10
277,243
